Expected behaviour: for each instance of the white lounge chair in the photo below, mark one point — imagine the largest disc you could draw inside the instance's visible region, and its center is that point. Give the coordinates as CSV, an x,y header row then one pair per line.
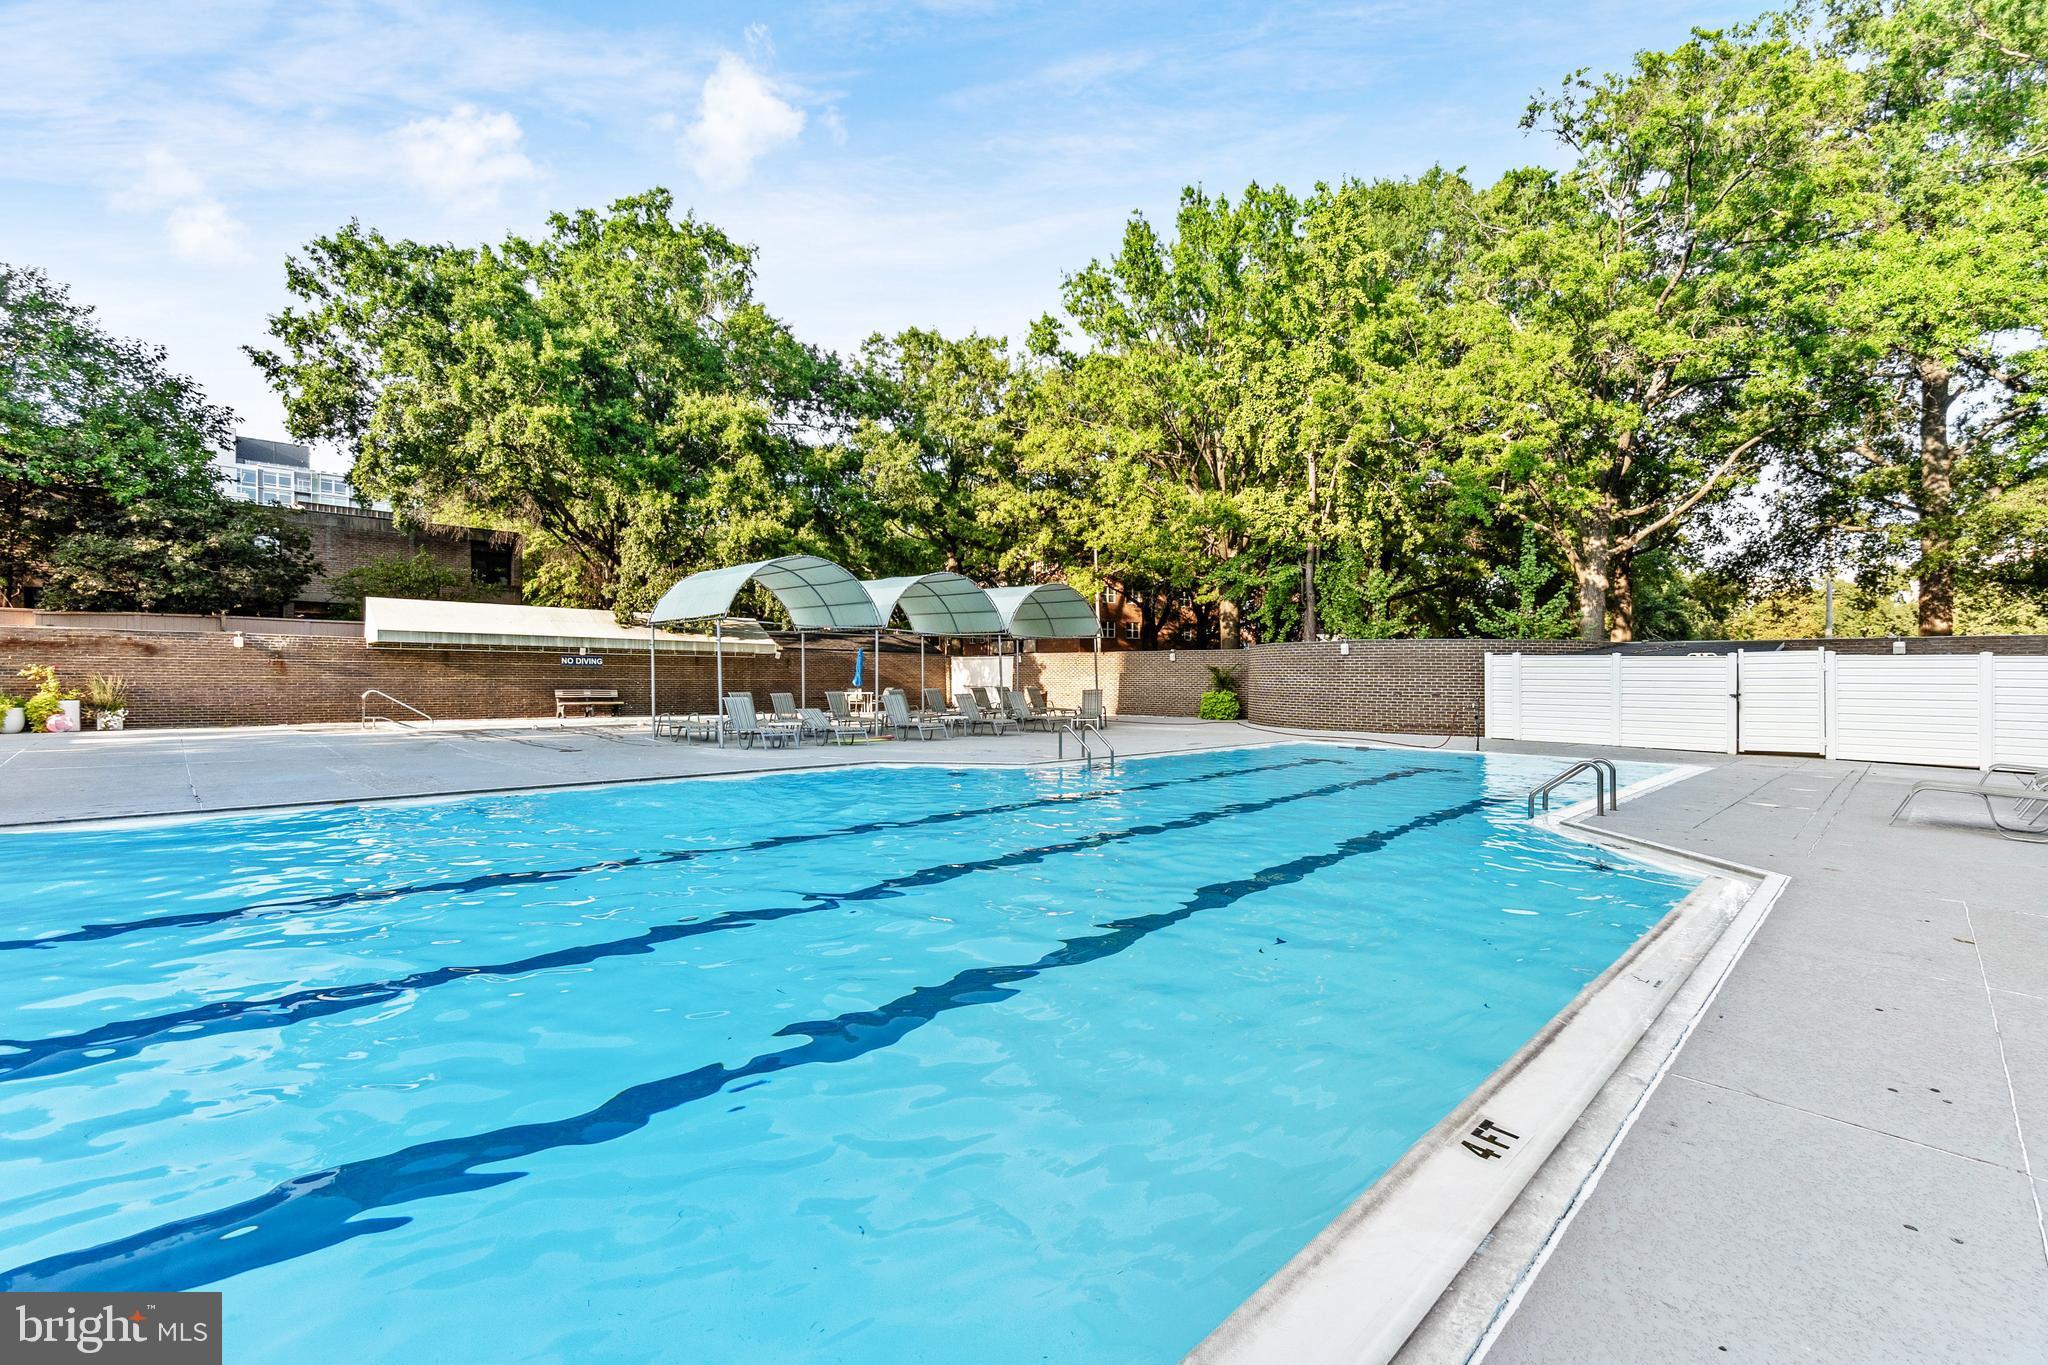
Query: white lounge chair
x,y
816,722
2026,794
1091,712
746,725
996,722
905,724
1021,711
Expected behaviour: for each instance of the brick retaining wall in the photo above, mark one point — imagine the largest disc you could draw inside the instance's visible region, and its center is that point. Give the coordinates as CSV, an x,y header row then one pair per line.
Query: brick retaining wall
x,y
202,679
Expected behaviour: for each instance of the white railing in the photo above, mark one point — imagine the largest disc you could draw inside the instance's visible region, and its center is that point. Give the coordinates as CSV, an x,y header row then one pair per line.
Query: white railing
x,y
368,719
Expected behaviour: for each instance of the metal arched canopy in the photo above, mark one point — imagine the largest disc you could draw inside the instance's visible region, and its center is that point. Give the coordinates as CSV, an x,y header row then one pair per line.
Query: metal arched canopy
x,y
940,603
817,594
1044,611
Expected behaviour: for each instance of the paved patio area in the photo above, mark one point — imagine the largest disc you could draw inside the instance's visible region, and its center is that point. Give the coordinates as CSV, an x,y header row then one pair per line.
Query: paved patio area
x,y
1843,1162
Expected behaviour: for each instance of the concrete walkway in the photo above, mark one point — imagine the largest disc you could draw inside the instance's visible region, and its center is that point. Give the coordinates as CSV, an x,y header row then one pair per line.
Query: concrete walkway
x,y
1841,1164
1844,1161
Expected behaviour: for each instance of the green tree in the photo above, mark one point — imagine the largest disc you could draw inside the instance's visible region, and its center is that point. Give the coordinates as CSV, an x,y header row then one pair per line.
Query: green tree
x,y
1619,361
1931,294
109,498
611,387
1529,614
418,576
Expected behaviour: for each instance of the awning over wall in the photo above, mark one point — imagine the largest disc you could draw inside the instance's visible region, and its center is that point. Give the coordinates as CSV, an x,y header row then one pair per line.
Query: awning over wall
x,y
937,604
392,621
1044,611
817,594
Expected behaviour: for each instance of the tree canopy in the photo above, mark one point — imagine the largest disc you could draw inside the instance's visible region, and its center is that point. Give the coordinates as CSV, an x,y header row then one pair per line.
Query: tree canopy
x,y
109,498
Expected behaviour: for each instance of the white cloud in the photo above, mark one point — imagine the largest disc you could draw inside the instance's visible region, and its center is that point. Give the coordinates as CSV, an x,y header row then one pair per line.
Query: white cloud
x,y
196,224
470,154
739,120
202,230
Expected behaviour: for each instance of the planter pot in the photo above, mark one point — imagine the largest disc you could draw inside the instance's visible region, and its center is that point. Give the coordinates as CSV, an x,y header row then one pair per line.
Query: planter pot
x,y
111,720
14,722
70,709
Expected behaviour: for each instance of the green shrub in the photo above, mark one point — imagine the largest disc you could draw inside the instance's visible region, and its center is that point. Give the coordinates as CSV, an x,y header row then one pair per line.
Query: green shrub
x,y
49,695
8,703
41,707
1220,706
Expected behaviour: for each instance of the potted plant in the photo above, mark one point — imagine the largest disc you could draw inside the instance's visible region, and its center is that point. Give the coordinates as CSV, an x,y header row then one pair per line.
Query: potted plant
x,y
13,719
109,698
50,699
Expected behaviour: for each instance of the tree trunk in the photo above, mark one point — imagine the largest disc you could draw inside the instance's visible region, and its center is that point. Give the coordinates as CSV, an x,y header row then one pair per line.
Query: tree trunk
x,y
1932,501
1229,623
1596,550
1308,564
1621,600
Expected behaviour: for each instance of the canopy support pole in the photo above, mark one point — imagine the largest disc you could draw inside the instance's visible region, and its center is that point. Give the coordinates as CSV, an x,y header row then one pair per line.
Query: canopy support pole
x,y
653,708
718,677
920,670
878,670
803,671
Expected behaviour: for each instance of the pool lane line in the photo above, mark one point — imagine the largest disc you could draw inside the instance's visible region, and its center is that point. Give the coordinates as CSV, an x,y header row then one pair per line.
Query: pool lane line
x,y
55,1056
311,1212
91,933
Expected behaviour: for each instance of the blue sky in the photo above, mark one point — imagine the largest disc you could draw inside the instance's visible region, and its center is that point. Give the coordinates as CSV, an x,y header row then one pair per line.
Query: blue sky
x,y
938,163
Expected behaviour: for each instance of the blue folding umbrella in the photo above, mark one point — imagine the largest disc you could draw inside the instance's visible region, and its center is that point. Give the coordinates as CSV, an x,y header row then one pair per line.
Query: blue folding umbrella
x,y
858,656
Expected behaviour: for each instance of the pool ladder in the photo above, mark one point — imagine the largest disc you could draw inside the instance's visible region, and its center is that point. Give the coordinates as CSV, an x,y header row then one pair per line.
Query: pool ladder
x,y
1606,786
368,718
1080,734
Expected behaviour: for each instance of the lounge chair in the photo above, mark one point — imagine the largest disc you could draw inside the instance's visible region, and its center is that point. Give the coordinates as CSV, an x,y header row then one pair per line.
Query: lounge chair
x,y
905,724
991,699
935,708
1091,712
817,723
2027,793
843,713
1022,712
784,705
1040,705
976,717
746,725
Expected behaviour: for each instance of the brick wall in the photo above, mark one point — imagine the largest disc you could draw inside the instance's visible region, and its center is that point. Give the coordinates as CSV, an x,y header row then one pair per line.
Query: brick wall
x,y
202,679
348,539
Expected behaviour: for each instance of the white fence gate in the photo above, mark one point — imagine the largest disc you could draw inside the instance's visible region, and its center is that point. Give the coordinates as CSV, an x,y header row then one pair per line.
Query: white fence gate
x,y
1954,710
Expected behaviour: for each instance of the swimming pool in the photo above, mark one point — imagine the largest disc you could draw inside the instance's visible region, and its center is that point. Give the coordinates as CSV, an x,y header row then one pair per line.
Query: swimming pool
x,y
874,1064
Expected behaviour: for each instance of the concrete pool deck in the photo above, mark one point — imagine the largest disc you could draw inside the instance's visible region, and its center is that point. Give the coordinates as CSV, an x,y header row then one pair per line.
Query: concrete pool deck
x,y
1845,1160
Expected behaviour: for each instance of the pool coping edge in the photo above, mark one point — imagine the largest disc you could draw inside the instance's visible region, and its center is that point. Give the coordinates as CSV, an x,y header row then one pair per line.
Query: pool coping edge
x,y
1364,1285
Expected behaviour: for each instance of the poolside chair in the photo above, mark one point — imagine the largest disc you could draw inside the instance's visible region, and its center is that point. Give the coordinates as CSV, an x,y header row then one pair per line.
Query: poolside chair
x,y
903,723
935,708
1024,715
843,713
1091,712
2027,794
971,710
1039,704
784,706
991,699
745,724
816,722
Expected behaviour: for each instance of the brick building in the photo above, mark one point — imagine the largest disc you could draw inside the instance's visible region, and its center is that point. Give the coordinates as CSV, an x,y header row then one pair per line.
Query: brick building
x,y
349,531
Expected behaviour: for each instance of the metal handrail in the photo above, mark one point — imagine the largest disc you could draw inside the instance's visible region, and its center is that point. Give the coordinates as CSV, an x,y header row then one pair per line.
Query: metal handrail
x,y
1606,786
1080,734
391,720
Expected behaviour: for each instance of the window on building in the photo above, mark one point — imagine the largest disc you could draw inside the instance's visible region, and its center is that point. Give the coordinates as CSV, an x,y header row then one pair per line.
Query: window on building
x,y
490,565
1133,629
277,487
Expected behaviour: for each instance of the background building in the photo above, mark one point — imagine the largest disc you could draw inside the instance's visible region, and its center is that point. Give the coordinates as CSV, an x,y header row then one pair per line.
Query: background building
x,y
349,531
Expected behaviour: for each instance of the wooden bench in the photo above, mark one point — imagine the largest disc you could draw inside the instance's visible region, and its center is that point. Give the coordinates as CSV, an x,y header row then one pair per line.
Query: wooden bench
x,y
589,698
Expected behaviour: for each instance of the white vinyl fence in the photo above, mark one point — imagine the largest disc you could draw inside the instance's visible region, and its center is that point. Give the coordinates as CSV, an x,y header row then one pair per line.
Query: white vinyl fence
x,y
1959,710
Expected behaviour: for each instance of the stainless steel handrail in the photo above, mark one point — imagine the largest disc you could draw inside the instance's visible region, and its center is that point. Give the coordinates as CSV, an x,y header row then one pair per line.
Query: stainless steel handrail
x,y
1606,786
391,720
1080,734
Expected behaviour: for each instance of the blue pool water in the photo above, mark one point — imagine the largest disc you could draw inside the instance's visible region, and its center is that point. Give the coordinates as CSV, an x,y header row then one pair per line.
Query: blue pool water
x,y
867,1065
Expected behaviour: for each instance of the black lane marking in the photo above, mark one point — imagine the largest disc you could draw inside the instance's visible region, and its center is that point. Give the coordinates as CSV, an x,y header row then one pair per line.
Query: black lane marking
x,y
487,881
29,1057
323,1208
